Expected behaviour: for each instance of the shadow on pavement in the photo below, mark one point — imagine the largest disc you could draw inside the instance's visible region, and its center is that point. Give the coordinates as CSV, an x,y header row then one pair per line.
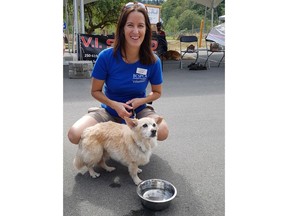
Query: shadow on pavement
x,y
104,193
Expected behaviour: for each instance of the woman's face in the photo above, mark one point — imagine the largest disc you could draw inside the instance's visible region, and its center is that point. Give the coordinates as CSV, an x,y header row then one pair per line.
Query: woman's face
x,y
135,29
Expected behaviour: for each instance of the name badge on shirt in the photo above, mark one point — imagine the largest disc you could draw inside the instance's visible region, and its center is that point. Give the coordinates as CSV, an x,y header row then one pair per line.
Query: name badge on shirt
x,y
141,71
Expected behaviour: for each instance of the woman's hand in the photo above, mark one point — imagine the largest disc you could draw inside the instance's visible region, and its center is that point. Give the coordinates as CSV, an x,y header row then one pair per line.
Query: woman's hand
x,y
136,102
122,109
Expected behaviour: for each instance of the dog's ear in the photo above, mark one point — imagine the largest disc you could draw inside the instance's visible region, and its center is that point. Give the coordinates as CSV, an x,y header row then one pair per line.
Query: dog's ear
x,y
131,122
158,120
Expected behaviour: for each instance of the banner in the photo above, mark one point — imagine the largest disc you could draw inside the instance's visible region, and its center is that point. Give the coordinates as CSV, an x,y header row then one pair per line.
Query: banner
x,y
92,45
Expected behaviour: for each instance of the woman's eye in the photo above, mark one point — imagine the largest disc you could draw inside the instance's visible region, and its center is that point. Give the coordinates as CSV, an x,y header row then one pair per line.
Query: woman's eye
x,y
145,125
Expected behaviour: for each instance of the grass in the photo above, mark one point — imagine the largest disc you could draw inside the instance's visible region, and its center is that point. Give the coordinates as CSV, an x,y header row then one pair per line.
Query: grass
x,y
175,44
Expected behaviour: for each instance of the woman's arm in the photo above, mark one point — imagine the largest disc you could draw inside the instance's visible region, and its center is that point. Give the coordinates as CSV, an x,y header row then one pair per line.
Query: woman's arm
x,y
96,92
156,91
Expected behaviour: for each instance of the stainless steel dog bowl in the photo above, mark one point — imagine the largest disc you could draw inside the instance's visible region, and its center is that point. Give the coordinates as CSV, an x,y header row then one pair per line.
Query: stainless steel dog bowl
x,y
156,194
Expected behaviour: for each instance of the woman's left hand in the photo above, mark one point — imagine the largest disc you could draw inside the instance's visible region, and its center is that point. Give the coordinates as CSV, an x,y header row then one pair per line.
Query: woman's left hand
x,y
136,102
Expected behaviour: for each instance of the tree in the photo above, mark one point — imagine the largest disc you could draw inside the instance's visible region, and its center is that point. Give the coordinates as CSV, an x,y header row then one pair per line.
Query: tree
x,y
101,14
189,18
172,26
98,14
187,13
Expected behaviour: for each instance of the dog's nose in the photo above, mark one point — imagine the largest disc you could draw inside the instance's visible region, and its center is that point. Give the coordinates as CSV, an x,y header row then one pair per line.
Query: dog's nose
x,y
153,132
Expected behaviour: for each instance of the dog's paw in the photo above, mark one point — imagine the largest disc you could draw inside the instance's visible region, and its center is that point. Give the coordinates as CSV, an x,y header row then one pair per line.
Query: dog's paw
x,y
137,181
110,169
139,170
93,174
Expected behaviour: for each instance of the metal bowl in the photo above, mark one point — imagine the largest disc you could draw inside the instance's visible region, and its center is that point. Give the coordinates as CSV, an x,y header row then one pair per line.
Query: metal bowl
x,y
156,194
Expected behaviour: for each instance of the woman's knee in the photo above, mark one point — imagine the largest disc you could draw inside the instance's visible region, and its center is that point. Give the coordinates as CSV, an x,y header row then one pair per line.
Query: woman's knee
x,y
74,135
163,131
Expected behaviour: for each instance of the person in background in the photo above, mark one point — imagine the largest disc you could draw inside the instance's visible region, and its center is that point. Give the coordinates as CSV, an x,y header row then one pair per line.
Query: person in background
x,y
159,30
122,73
161,38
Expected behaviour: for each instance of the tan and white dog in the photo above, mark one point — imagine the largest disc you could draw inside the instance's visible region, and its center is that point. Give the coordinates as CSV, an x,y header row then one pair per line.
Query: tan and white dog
x,y
130,144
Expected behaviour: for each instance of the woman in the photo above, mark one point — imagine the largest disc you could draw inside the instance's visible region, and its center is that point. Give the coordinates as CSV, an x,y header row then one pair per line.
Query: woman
x,y
125,71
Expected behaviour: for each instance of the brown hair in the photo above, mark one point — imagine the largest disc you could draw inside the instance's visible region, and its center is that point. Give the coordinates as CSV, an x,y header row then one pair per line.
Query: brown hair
x,y
145,54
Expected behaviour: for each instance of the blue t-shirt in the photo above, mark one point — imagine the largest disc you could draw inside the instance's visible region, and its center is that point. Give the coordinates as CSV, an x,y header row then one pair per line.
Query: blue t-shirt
x,y
123,81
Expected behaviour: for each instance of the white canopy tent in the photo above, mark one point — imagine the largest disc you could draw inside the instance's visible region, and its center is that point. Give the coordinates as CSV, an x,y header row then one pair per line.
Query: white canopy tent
x,y
210,4
217,34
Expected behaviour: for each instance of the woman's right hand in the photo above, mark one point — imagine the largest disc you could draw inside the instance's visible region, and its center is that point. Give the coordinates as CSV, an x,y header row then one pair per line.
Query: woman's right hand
x,y
121,109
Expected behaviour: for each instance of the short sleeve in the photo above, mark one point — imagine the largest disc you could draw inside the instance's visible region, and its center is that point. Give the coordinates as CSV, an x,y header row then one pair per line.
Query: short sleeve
x,y
156,77
100,69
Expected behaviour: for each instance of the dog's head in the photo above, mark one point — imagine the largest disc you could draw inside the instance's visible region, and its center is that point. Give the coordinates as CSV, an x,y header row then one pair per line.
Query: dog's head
x,y
145,127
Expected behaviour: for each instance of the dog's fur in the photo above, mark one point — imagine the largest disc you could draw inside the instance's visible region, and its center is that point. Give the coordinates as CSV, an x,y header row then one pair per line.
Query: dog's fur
x,y
171,55
129,144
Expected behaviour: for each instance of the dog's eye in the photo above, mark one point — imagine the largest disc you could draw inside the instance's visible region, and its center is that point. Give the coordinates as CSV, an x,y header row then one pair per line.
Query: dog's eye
x,y
154,125
145,125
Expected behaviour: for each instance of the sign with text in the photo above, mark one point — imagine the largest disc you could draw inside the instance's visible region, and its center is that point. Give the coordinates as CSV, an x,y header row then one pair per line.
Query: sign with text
x,y
92,45
153,13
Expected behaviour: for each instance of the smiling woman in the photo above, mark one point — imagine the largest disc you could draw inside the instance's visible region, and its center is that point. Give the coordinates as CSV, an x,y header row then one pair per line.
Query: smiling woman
x,y
121,75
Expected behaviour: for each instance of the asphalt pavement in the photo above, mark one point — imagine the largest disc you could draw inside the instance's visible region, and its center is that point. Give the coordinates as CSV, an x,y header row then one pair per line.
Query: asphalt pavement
x,y
192,158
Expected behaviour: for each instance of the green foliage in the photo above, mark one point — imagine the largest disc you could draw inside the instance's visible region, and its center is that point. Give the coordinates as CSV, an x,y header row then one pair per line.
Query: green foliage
x,y
98,15
102,14
188,15
177,15
189,18
172,27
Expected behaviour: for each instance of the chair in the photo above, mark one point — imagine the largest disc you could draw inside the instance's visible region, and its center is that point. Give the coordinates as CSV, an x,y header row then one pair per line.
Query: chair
x,y
211,49
183,51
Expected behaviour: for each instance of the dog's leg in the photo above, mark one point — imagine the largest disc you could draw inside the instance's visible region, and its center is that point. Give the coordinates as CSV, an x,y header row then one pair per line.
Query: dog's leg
x,y
103,164
91,158
133,169
139,170
92,173
106,167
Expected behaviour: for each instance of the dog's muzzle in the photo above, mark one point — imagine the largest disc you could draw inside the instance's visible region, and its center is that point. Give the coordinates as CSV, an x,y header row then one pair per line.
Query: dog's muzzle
x,y
153,133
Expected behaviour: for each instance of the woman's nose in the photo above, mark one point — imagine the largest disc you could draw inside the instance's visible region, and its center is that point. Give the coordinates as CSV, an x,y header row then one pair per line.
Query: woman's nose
x,y
135,30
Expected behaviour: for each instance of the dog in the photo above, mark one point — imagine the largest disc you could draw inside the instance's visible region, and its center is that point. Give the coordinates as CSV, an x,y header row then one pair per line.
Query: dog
x,y
191,47
171,55
130,144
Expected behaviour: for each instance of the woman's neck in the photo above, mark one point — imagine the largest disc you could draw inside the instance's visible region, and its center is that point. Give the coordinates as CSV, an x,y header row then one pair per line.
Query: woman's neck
x,y
132,55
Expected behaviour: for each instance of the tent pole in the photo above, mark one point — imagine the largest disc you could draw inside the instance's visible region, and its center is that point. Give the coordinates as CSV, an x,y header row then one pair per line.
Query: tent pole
x,y
82,16
205,30
212,13
67,25
75,25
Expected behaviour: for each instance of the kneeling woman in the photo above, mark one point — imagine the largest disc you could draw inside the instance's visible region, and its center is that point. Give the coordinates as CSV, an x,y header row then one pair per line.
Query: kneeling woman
x,y
125,72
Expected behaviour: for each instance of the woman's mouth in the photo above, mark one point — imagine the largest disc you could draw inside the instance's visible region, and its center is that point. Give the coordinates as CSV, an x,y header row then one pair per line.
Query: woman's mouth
x,y
135,38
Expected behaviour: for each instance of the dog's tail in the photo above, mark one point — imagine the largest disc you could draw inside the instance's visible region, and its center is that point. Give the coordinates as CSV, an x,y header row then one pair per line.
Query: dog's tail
x,y
78,162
